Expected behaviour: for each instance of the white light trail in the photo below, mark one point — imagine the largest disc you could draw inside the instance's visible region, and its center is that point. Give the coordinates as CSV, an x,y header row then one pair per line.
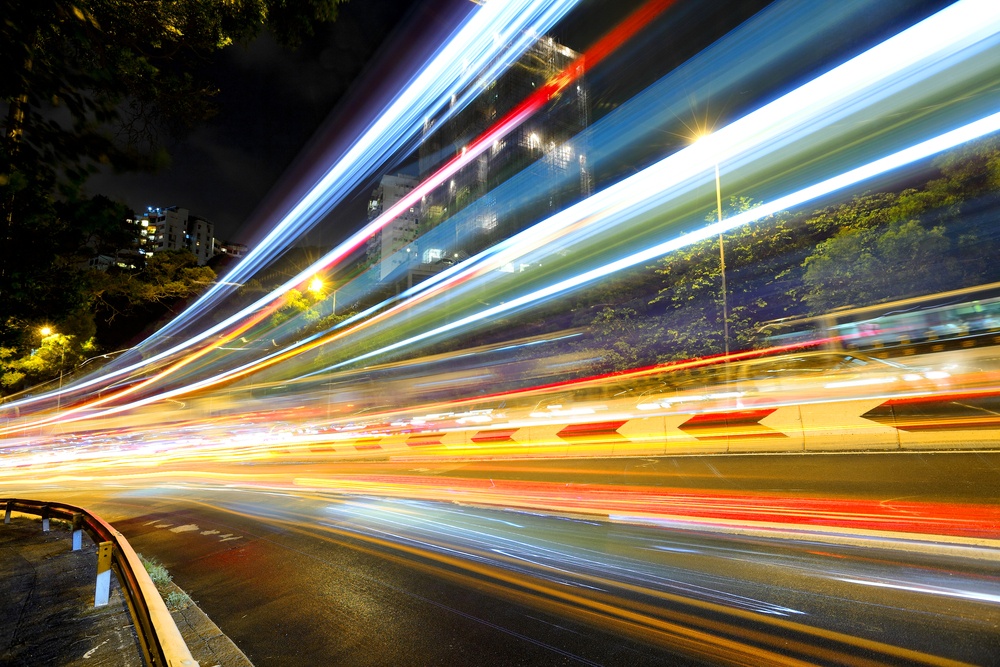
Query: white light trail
x,y
472,50
925,589
951,36
493,30
920,151
961,31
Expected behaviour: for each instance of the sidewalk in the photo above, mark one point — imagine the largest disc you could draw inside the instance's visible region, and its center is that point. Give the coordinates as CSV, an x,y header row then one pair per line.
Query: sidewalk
x,y
47,613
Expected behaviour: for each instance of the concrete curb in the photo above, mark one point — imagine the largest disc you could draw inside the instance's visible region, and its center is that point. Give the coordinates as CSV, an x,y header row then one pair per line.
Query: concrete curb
x,y
208,644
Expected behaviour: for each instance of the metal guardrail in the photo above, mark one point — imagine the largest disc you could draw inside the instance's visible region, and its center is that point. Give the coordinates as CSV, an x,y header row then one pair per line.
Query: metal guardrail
x,y
161,641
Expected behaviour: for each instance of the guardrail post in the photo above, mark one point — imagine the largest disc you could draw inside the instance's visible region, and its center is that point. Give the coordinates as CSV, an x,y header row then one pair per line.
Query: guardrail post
x,y
6,514
45,518
103,591
77,532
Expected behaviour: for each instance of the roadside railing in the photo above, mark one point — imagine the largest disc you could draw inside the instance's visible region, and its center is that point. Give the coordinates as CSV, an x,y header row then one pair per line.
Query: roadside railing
x,y
161,641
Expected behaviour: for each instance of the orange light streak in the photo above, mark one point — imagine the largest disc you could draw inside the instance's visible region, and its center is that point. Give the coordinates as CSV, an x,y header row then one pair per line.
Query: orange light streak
x,y
595,54
66,416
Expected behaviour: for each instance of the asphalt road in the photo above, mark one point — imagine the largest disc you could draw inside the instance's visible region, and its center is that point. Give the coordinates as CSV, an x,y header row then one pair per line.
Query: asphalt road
x,y
306,577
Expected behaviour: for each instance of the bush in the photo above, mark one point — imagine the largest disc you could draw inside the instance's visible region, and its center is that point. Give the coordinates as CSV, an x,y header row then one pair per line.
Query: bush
x,y
177,600
156,571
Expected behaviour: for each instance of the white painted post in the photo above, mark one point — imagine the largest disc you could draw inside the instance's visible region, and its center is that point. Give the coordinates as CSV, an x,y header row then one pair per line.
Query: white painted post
x,y
45,519
103,591
6,514
77,532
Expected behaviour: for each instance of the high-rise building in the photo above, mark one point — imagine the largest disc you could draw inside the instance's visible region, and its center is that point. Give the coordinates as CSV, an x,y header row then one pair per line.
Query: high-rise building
x,y
162,228
546,142
174,228
200,239
388,246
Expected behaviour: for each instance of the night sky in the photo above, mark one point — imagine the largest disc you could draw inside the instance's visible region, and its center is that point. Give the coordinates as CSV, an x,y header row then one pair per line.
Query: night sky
x,y
274,106
271,101
277,110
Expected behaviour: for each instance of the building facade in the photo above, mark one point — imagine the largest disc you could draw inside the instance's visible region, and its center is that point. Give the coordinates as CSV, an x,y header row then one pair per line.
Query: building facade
x,y
174,228
234,250
388,247
546,142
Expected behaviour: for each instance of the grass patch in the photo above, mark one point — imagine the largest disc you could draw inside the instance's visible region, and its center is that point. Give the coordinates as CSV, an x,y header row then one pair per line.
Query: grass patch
x,y
177,600
156,572
174,599
55,524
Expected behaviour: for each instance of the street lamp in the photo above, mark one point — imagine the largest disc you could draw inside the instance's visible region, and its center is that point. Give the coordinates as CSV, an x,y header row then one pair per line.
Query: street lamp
x,y
46,332
316,286
722,261
722,254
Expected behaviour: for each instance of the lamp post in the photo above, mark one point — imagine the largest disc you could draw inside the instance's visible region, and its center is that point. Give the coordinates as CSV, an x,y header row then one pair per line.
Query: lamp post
x,y
722,250
47,331
722,261
316,286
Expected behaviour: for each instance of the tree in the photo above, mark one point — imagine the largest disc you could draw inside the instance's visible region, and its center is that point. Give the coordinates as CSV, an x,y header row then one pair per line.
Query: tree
x,y
860,267
297,305
44,281
56,354
876,247
883,246
759,282
126,302
115,307
117,73
98,82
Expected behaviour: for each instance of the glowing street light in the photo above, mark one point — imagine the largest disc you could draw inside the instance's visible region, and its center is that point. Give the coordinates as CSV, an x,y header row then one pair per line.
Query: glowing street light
x,y
47,331
316,286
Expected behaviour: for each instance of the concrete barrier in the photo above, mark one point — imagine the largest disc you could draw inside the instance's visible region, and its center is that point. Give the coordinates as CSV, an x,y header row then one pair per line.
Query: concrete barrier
x,y
941,421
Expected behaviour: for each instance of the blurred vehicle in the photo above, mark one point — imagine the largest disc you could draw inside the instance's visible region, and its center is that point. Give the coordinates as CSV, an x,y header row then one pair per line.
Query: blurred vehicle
x,y
956,319
799,376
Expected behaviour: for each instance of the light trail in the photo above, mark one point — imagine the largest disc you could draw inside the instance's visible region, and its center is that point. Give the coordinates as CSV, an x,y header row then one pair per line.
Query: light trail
x,y
448,72
82,409
751,135
633,123
615,203
478,47
527,108
920,151
385,415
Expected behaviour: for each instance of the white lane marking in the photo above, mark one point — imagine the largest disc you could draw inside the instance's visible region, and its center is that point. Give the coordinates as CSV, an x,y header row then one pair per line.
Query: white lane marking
x,y
186,528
